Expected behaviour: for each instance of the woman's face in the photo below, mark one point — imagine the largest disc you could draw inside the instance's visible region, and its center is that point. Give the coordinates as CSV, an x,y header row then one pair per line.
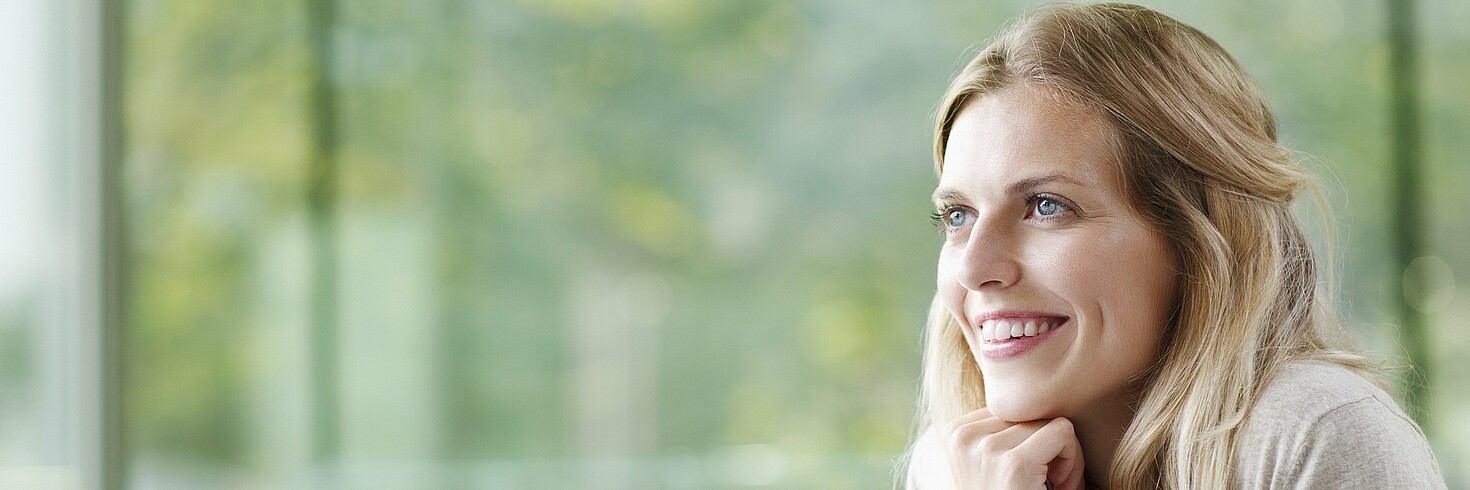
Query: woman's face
x,y
1062,289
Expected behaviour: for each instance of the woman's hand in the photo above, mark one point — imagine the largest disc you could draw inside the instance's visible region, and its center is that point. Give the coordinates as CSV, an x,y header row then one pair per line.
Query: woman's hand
x,y
990,453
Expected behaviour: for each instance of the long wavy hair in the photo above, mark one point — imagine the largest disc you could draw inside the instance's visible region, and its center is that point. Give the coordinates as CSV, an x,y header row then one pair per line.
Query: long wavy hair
x,y
1201,163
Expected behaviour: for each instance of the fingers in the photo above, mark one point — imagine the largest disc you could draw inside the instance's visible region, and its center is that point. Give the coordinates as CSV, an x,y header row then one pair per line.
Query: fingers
x,y
970,428
1013,436
1055,445
1054,439
980,414
987,452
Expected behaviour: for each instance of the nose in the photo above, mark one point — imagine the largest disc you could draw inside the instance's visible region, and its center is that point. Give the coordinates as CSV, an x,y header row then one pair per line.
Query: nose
x,y
989,257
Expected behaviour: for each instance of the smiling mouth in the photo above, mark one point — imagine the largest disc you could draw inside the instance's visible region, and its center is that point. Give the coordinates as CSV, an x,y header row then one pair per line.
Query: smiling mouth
x,y
1004,329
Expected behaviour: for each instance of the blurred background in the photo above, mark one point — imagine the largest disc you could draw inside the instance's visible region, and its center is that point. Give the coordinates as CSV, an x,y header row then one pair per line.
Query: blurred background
x,y
585,243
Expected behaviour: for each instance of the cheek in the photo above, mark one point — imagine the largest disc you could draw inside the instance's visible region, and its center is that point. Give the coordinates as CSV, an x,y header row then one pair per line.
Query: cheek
x,y
1150,272
1122,281
1129,269
1135,285
1071,267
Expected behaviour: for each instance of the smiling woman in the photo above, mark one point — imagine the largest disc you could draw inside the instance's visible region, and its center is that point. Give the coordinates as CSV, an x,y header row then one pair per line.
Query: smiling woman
x,y
1031,247
1125,299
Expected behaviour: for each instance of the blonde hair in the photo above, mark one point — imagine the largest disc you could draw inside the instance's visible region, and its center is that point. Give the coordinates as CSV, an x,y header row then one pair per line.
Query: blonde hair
x,y
1201,163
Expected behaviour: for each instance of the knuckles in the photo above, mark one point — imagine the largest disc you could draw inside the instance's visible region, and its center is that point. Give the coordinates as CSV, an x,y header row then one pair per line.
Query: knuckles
x,y
952,429
960,436
970,436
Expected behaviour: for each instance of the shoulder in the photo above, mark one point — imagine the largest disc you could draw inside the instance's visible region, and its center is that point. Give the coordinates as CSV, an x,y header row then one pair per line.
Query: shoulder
x,y
1322,425
1304,391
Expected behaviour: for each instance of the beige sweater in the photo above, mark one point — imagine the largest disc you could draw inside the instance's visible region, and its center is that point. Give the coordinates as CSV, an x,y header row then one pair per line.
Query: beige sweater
x,y
1316,426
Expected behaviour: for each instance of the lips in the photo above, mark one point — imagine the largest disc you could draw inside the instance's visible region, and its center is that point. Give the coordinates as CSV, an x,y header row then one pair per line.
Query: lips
x,y
1007,335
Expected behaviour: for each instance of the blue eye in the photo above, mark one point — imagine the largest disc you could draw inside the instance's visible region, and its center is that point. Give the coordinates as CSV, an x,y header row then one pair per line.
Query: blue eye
x,y
1047,207
1044,207
955,217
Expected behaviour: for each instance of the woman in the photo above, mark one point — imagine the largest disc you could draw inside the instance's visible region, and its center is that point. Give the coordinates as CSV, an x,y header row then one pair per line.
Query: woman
x,y
1125,299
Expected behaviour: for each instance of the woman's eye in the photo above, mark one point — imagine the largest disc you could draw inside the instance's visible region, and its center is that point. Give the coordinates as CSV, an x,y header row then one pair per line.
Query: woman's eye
x,y
1047,207
956,218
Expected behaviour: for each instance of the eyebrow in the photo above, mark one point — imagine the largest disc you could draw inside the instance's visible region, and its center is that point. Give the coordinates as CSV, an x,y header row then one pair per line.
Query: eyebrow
x,y
1023,186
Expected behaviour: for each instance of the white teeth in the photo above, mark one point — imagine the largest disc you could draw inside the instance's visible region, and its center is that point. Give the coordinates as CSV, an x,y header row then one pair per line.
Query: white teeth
x,y
999,329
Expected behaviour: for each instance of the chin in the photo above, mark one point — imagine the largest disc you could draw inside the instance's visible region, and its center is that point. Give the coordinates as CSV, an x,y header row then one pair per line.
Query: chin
x,y
1012,408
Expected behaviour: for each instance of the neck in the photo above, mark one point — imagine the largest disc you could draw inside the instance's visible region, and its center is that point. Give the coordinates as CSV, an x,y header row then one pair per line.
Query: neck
x,y
1099,430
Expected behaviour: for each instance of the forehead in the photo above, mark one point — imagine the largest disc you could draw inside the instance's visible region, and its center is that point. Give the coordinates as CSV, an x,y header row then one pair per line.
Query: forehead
x,y
1022,132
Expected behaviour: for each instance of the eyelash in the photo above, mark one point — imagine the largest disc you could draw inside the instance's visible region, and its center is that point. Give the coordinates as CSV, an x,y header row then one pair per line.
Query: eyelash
x,y
941,222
